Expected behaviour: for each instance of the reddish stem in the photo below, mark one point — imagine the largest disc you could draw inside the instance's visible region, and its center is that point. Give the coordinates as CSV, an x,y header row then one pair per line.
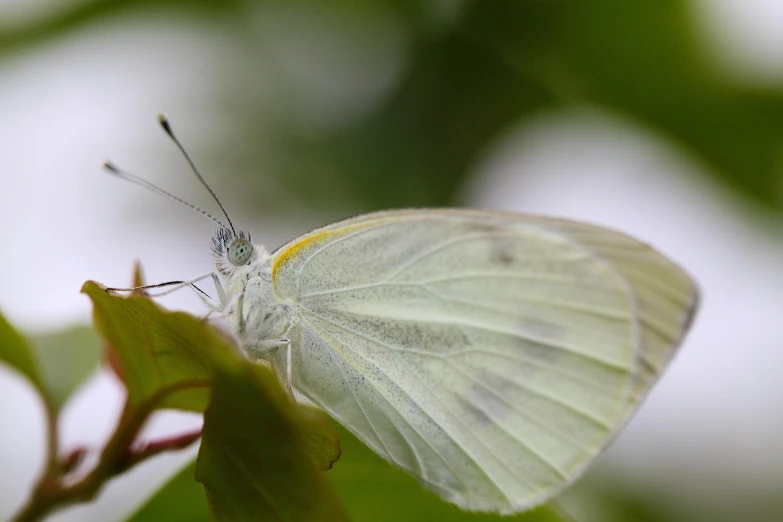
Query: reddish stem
x,y
152,448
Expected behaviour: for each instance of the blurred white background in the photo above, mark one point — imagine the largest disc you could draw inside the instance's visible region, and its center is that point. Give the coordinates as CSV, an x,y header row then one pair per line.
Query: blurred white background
x,y
68,106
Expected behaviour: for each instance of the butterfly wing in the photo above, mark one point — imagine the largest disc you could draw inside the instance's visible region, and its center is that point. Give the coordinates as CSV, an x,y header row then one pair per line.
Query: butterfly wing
x,y
493,356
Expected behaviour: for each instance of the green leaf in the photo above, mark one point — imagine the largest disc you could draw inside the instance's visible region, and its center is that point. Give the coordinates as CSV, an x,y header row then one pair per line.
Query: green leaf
x,y
54,363
66,358
156,350
319,438
252,463
15,352
372,489
153,349
180,500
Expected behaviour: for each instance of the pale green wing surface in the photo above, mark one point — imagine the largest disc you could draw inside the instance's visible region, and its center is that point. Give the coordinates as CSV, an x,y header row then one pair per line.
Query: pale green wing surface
x,y
666,297
493,356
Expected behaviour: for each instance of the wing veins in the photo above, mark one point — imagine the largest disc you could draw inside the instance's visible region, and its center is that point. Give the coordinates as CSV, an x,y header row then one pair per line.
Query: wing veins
x,y
352,288
595,385
509,275
534,391
395,350
530,418
461,323
532,362
534,452
422,437
602,313
442,246
505,312
656,328
678,297
525,360
419,464
596,312
331,244
359,403
456,417
541,394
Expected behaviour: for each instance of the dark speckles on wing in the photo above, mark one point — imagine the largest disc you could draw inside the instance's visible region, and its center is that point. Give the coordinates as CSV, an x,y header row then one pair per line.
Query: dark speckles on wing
x,y
490,355
502,253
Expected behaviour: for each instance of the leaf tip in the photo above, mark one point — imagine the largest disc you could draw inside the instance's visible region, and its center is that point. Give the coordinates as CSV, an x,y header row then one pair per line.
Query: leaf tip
x,y
89,287
138,278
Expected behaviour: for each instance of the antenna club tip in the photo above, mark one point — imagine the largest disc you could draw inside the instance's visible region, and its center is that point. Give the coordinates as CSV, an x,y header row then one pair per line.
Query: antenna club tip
x,y
164,122
108,165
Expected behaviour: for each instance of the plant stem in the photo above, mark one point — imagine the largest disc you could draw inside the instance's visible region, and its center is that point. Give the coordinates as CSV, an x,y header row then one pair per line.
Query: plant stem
x,y
49,493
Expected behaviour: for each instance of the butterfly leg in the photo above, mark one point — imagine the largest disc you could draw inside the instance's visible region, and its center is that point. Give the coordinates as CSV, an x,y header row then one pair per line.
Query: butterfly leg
x,y
206,317
176,285
208,301
260,352
289,380
219,288
288,371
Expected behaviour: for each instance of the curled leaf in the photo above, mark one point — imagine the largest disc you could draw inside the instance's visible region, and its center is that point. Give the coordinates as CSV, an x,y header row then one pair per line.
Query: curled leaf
x,y
252,462
319,437
15,352
156,350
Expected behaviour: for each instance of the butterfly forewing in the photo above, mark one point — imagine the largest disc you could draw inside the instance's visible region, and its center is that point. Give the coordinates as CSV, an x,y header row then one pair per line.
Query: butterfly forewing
x,y
491,355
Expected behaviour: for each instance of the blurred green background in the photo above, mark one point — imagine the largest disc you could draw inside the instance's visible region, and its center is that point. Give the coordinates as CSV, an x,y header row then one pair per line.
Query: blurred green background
x,y
660,118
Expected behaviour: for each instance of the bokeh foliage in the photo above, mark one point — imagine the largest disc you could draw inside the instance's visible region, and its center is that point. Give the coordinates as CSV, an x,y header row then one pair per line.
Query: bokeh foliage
x,y
472,69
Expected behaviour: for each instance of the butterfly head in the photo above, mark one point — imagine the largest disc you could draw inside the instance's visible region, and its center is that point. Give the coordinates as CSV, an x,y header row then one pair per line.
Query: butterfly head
x,y
232,250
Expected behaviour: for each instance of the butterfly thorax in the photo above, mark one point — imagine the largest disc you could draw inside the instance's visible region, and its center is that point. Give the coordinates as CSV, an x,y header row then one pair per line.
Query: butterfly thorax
x,y
253,313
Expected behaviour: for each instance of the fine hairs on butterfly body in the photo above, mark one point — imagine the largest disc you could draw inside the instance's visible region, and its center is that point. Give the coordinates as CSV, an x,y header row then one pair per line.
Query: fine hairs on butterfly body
x,y
491,355
252,313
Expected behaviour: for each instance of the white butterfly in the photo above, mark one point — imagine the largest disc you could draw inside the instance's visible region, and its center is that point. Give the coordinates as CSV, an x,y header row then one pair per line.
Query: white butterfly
x,y
491,355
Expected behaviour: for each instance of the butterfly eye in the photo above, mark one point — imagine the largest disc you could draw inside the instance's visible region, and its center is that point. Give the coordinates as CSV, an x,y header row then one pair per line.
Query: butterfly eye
x,y
239,251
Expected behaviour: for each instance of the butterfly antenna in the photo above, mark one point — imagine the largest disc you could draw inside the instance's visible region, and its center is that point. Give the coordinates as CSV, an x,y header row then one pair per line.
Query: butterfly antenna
x,y
167,127
127,176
